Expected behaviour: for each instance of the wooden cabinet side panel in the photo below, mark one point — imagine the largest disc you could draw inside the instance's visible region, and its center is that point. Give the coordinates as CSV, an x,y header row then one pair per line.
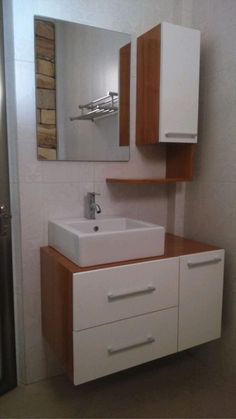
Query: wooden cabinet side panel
x,y
148,86
124,99
56,296
179,160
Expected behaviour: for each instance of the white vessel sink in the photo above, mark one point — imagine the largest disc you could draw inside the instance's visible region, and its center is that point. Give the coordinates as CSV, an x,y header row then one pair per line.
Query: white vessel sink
x,y
93,242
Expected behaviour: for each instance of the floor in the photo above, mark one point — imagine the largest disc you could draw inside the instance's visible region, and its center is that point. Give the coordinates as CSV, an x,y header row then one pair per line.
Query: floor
x,y
179,386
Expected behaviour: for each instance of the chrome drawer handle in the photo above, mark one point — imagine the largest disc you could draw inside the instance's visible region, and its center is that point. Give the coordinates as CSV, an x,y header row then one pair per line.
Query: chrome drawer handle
x,y
180,135
111,350
203,262
111,296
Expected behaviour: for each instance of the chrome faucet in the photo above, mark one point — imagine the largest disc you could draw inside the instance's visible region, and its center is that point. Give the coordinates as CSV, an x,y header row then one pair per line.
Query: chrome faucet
x,y
92,208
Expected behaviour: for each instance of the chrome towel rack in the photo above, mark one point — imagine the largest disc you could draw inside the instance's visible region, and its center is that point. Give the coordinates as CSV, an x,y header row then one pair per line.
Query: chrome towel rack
x,y
99,108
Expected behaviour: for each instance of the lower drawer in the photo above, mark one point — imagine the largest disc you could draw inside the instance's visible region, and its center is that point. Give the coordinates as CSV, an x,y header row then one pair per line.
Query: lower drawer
x,y
116,346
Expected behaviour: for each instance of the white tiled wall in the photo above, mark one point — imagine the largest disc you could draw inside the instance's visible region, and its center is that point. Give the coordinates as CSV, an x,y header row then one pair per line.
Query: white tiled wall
x,y
210,211
57,189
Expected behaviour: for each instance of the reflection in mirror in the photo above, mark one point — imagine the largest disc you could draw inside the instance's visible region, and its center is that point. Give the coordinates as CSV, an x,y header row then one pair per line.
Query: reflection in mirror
x,y
82,92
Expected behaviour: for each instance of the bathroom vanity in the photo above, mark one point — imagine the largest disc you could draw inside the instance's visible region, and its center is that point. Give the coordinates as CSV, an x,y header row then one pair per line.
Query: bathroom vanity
x,y
102,319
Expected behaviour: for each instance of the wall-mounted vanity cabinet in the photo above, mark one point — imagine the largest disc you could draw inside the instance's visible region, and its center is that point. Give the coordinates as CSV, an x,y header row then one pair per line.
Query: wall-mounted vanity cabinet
x,y
168,58
102,319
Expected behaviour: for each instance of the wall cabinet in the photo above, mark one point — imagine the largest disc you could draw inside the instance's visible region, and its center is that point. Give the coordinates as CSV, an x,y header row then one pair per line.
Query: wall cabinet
x,y
103,319
168,58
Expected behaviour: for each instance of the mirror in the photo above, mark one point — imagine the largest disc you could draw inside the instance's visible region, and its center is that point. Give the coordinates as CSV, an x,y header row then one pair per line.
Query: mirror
x,y
82,78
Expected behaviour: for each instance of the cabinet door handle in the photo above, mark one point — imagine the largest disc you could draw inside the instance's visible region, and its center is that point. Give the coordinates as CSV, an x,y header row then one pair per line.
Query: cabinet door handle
x,y
203,262
180,134
111,296
147,341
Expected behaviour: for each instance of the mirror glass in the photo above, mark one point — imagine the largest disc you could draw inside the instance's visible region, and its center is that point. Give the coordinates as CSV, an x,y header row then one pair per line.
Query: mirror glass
x,y
82,78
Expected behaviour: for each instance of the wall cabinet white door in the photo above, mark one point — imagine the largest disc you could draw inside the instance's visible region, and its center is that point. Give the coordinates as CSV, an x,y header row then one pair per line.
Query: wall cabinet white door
x,y
179,85
200,298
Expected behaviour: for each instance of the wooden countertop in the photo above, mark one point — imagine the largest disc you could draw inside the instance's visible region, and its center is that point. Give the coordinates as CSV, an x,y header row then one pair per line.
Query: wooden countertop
x,y
174,246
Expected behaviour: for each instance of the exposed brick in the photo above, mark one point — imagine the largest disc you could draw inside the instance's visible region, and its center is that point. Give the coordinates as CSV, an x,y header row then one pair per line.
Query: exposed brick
x,y
45,48
45,67
47,154
46,136
46,99
38,116
45,29
48,117
45,82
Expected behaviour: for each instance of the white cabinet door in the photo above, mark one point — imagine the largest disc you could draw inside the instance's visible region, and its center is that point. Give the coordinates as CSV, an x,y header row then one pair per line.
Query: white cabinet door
x,y
111,294
179,84
116,346
200,305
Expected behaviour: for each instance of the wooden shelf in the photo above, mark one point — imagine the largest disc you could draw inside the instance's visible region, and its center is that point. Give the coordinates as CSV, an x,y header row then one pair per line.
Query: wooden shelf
x,y
139,181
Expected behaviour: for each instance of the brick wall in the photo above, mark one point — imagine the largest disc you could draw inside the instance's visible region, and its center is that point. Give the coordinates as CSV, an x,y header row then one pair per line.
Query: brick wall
x,y
46,89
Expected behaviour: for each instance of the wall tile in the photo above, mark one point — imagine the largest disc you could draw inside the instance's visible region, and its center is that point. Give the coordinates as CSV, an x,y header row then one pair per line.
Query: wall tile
x,y
200,11
187,5
207,215
59,10
25,101
151,15
60,172
210,213
221,89
221,52
175,208
221,167
221,16
36,368
30,169
61,200
32,320
23,18
31,201
31,265
186,18
144,202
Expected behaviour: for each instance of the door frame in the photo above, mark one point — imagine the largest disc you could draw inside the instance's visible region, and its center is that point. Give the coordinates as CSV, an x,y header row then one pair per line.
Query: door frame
x,y
8,379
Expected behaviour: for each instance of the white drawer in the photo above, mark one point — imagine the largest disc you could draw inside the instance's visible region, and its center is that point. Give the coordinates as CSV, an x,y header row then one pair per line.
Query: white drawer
x,y
201,292
107,295
113,347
